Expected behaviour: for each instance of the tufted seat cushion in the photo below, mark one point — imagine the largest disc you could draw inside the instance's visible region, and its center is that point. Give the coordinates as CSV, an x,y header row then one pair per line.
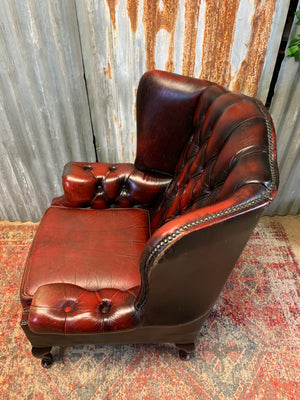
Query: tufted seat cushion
x,y
91,249
62,308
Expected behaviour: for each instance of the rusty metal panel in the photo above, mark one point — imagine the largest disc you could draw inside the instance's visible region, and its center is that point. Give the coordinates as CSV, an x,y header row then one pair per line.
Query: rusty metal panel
x,y
277,28
225,42
44,114
113,50
51,50
285,110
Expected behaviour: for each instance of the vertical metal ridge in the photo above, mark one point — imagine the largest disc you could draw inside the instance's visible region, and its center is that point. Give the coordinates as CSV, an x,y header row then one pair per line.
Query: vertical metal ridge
x,y
16,126
121,40
112,53
85,82
44,111
69,72
285,112
277,28
7,206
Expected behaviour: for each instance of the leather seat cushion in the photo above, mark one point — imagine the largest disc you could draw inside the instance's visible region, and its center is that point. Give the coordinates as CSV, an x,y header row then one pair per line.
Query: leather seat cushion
x,y
93,249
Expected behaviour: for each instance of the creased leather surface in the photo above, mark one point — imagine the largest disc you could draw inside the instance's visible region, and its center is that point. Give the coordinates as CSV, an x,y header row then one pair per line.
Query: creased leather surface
x,y
104,185
202,151
91,249
227,150
65,309
166,105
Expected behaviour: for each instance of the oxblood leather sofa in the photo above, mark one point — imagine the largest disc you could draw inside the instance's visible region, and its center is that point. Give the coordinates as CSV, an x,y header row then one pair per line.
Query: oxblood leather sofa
x,y
138,253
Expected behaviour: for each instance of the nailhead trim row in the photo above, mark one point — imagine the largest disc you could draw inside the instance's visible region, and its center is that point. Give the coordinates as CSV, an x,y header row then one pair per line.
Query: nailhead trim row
x,y
231,210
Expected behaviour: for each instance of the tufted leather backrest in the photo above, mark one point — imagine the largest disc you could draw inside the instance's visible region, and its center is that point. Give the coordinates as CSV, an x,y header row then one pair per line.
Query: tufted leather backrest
x,y
227,149
166,105
197,145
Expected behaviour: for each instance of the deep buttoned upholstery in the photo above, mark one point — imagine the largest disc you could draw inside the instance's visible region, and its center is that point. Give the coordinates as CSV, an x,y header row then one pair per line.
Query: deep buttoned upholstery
x,y
138,253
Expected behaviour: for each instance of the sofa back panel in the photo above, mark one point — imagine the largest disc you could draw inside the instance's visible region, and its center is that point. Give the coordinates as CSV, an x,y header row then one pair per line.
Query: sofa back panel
x,y
166,106
191,149
228,148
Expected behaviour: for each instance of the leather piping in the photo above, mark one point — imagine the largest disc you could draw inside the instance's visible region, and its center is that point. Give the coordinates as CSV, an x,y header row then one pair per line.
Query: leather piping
x,y
161,247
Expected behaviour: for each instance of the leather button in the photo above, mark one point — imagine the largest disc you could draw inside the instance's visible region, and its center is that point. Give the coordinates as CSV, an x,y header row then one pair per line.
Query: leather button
x,y
100,191
67,309
105,306
112,168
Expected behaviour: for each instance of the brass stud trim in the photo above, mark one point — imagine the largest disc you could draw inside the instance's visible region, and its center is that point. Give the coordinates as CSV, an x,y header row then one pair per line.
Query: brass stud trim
x,y
230,210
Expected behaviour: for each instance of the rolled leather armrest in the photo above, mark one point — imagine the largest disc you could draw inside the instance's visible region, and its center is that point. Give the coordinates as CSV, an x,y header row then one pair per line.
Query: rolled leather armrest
x,y
63,308
103,185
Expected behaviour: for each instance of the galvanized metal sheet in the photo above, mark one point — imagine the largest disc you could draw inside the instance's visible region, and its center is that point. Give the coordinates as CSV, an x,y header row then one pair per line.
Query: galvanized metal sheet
x,y
277,28
224,42
285,110
44,114
44,109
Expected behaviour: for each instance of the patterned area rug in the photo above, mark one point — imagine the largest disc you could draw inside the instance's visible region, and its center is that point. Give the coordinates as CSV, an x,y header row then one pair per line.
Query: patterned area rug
x,y
248,349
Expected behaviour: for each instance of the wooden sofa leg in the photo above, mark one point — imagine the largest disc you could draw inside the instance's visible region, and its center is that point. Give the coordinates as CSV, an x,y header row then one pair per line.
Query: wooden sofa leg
x,y
44,354
186,350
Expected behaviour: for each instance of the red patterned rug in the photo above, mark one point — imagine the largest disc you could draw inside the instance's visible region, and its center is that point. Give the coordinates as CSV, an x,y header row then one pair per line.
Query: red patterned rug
x,y
248,349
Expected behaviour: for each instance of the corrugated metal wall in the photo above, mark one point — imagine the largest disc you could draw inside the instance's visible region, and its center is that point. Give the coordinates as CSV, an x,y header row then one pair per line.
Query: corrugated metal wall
x,y
224,42
69,72
44,113
285,110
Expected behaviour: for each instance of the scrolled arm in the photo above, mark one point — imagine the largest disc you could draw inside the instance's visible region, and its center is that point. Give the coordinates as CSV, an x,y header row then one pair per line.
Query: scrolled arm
x,y
103,185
